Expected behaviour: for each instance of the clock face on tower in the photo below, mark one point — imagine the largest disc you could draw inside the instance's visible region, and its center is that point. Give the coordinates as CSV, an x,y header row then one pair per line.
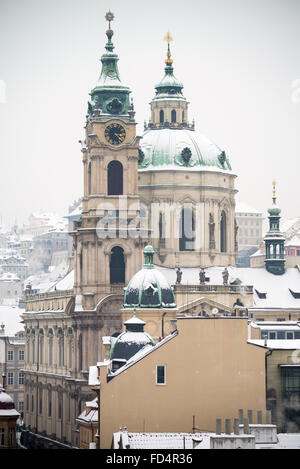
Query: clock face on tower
x,y
115,134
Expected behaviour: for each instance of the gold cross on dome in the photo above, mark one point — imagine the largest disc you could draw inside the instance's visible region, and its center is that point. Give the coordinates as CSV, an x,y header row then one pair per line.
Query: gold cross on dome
x,y
168,37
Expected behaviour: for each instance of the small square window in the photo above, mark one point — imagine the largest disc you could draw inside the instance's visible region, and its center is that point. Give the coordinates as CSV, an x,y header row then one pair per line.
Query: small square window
x,y
161,374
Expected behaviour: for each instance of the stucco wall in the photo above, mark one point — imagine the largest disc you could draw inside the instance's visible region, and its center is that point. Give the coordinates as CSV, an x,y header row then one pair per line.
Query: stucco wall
x,y
211,372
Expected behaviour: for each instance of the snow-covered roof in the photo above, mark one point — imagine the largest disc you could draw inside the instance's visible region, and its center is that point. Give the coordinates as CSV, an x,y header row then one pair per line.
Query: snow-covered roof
x,y
156,440
287,223
284,344
65,283
9,277
90,413
276,287
47,281
277,326
202,440
257,253
10,316
8,413
75,212
294,241
241,207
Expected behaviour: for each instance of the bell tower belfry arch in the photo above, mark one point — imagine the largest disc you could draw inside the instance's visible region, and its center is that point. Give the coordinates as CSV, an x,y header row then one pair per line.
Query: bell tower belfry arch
x,y
108,233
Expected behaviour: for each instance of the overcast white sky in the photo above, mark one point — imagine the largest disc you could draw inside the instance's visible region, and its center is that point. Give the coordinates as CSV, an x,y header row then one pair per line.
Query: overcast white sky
x,y
238,61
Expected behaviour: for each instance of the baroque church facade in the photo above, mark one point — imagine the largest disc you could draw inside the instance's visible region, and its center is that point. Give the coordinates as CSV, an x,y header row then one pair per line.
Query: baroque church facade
x,y
171,188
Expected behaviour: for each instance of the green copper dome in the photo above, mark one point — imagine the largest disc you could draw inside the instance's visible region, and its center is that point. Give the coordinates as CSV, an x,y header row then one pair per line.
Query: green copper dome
x,y
148,288
180,149
128,343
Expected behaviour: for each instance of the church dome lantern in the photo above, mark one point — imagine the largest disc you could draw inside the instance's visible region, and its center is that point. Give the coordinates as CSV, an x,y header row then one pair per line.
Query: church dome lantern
x,y
129,342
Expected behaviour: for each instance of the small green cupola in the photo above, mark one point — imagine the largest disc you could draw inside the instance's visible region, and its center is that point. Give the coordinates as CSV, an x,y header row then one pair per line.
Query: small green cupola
x,y
110,97
149,288
274,240
129,342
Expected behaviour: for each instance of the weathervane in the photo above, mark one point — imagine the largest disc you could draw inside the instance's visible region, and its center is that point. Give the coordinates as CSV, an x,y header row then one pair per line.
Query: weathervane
x,y
168,38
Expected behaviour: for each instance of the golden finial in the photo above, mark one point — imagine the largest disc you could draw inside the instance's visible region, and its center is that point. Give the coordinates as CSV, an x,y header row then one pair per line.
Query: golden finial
x,y
168,38
274,188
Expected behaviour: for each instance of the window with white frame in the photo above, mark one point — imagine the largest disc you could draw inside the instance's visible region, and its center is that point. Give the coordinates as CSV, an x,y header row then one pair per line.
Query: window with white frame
x,y
10,355
10,378
21,355
160,374
21,377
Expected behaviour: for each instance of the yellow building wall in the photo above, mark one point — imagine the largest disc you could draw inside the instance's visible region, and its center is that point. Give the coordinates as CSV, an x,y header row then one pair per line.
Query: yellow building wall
x,y
211,372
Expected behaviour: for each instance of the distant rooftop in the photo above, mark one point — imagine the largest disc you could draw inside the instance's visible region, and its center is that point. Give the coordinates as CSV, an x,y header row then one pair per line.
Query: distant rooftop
x,y
241,207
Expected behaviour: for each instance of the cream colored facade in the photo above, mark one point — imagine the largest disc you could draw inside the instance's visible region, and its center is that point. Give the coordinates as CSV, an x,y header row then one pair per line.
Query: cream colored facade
x,y
205,192
211,372
64,329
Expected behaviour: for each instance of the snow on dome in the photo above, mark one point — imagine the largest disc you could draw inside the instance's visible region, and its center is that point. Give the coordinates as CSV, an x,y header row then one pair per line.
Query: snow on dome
x,y
5,398
149,288
128,343
163,149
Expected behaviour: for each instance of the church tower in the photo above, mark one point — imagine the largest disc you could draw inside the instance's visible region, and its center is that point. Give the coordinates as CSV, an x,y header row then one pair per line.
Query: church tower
x,y
107,240
274,240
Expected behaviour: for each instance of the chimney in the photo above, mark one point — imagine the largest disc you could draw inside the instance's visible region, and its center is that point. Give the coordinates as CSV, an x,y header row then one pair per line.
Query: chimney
x,y
2,330
265,340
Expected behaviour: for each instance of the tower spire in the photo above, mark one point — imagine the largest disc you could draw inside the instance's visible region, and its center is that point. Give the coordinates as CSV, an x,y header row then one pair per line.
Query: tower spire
x,y
274,239
110,96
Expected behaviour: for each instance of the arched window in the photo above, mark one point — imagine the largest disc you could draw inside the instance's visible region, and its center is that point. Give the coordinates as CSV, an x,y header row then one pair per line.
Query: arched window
x,y
49,401
89,179
117,265
187,230
223,234
50,346
61,357
115,178
161,226
173,116
161,117
80,354
41,346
